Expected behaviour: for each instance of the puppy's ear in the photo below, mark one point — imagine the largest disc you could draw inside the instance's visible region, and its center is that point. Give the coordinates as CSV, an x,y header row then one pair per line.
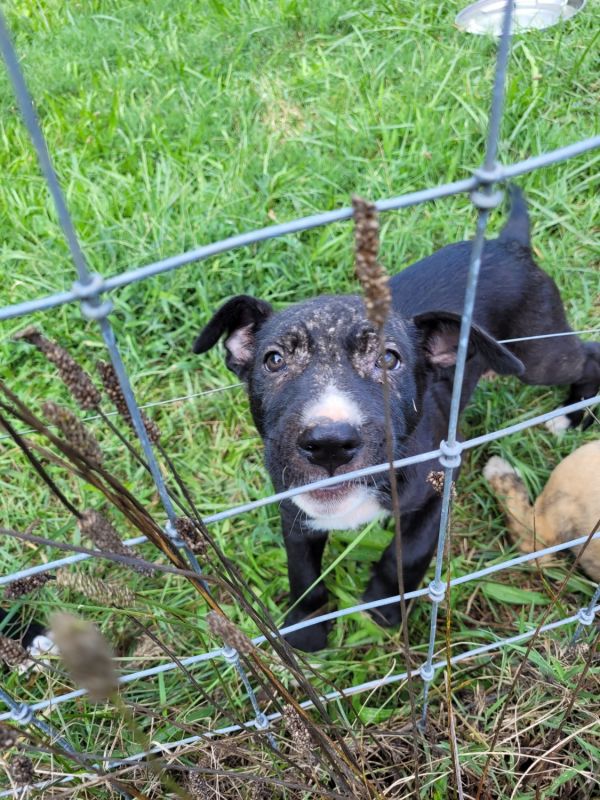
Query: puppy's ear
x,y
239,319
440,332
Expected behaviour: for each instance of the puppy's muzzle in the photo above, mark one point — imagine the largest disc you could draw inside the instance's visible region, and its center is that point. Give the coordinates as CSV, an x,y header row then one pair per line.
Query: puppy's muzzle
x,y
330,444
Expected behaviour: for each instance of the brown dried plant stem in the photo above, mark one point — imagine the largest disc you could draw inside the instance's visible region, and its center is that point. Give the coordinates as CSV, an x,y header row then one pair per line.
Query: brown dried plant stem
x,y
81,466
192,680
342,763
35,463
525,658
377,296
130,561
452,736
134,452
236,584
106,483
37,745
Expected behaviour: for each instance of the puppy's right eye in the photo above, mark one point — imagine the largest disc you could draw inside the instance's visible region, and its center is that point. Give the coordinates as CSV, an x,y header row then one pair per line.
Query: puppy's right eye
x,y
274,362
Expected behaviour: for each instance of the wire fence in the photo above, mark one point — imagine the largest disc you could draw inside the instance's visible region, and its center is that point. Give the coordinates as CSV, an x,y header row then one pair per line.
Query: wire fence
x,y
91,292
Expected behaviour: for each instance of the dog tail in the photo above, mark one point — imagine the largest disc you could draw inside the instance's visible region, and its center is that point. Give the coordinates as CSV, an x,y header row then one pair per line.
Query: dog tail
x,y
517,229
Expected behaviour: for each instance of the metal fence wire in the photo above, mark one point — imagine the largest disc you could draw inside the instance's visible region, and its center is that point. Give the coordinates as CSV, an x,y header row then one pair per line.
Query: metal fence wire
x,y
91,291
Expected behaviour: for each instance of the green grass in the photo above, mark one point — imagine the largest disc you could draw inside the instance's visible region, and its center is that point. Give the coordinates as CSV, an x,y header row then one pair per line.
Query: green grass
x,y
172,125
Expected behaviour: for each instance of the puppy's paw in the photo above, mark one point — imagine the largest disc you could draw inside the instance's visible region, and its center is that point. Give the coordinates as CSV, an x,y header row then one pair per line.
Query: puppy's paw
x,y
558,425
390,615
497,467
309,639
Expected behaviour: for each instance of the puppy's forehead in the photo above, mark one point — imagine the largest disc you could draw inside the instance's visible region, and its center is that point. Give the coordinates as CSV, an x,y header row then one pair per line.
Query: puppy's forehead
x,y
319,316
327,319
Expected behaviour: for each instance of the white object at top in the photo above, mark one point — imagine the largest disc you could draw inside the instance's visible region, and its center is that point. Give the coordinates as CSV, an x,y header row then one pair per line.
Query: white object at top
x,y
485,16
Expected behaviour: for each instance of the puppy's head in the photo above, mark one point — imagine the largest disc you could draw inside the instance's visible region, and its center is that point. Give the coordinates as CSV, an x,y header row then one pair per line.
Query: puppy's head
x,y
314,375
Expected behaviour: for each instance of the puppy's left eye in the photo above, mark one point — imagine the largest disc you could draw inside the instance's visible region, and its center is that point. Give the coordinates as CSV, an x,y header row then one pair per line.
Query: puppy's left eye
x,y
390,359
274,362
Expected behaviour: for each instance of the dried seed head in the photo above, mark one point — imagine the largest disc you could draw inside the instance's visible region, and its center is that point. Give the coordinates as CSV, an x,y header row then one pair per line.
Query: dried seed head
x,y
262,792
231,635
298,732
72,375
86,655
11,652
188,530
23,586
74,431
8,737
372,276
114,392
436,479
570,653
102,592
97,528
21,770
198,787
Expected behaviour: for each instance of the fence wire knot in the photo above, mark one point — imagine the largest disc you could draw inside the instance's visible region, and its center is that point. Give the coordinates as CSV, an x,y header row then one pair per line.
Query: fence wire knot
x,y
230,654
427,672
174,535
487,176
261,722
486,201
585,616
89,293
22,713
437,591
450,458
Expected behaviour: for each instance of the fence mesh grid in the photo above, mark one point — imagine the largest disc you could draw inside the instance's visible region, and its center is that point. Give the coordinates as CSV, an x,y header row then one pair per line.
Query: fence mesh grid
x,y
91,291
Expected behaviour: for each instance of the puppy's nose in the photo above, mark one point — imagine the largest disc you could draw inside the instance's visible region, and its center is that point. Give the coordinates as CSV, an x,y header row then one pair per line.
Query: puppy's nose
x,y
330,444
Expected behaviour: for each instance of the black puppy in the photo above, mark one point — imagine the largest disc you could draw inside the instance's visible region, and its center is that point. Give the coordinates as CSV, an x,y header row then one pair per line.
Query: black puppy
x,y
314,379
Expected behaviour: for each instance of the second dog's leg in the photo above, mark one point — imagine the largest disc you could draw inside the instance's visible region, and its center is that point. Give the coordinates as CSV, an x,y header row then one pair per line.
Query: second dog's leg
x,y
526,530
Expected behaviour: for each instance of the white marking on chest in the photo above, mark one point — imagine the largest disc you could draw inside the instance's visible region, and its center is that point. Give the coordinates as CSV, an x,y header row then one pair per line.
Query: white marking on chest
x,y
333,405
354,510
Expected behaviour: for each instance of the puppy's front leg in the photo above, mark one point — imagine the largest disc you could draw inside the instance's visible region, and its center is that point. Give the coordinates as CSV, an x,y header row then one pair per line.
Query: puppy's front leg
x,y
304,554
419,539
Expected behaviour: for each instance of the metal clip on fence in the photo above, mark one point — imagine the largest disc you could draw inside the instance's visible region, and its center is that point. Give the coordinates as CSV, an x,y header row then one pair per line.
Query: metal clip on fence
x,y
23,714
261,721
585,616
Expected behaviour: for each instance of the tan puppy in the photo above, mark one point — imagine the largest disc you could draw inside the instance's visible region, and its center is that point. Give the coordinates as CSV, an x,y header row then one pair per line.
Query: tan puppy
x,y
569,506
